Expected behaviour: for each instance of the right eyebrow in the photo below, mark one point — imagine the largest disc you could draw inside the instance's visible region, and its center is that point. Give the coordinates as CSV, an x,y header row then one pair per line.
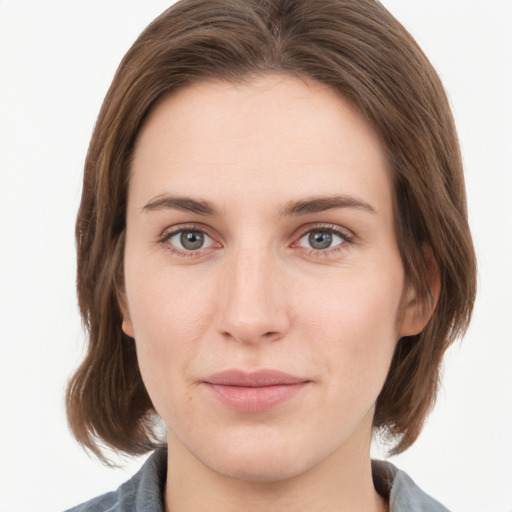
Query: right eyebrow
x,y
185,204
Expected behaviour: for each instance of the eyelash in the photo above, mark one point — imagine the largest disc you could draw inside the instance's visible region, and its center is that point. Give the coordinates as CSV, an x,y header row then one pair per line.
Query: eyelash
x,y
346,236
167,235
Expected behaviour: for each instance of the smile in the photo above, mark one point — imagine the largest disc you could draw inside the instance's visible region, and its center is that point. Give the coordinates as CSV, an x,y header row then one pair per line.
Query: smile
x,y
256,391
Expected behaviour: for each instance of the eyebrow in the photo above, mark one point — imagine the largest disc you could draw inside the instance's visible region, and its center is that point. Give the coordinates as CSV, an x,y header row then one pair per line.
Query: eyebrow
x,y
324,203
185,204
292,208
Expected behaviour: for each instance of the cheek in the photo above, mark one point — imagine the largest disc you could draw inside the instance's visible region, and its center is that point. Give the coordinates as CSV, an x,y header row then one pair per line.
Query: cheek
x,y
169,316
166,305
354,324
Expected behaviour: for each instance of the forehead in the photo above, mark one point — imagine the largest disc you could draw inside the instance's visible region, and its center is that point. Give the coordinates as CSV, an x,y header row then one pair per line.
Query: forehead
x,y
273,133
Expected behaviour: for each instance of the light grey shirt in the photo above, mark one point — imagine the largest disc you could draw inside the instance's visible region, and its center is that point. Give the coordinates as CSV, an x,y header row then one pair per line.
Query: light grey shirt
x,y
144,492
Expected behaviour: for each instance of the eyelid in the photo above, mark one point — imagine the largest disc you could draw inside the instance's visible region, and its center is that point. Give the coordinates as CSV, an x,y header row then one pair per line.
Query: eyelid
x,y
333,228
187,226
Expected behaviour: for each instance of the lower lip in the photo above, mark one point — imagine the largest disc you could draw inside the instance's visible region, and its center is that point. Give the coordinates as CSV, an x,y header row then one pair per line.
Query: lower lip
x,y
255,399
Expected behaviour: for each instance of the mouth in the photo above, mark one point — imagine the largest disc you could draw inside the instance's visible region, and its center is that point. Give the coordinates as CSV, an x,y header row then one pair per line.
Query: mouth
x,y
254,392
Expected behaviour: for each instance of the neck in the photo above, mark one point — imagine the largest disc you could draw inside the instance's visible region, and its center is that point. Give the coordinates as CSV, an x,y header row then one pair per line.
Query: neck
x,y
340,483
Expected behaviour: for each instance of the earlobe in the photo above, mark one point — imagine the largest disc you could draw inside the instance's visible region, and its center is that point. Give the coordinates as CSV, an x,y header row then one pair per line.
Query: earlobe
x,y
417,311
127,327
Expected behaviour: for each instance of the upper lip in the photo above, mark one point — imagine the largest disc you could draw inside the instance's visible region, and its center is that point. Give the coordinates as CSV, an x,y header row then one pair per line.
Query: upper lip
x,y
259,378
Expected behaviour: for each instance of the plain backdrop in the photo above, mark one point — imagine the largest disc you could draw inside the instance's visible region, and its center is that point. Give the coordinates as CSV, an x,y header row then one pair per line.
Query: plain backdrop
x,y
57,58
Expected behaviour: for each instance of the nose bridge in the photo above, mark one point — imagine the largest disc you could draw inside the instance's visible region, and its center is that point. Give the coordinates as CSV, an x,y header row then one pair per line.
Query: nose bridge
x,y
252,305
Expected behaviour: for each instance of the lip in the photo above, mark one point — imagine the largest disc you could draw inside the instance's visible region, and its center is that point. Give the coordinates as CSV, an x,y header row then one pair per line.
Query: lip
x,y
254,391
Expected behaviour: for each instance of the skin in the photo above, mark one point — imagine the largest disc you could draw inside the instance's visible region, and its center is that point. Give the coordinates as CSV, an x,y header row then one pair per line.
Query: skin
x,y
256,295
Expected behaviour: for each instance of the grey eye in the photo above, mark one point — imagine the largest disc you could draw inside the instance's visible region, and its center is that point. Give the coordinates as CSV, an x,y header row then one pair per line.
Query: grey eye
x,y
321,239
190,240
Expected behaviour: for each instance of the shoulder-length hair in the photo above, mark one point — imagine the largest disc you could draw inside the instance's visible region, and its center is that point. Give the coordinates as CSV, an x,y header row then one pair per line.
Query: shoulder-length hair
x,y
360,50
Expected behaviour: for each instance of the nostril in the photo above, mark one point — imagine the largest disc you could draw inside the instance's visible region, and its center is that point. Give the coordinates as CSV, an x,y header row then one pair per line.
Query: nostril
x,y
272,335
252,337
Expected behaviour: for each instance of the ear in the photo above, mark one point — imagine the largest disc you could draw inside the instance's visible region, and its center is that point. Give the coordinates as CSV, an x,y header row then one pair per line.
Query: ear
x,y
417,311
126,325
119,286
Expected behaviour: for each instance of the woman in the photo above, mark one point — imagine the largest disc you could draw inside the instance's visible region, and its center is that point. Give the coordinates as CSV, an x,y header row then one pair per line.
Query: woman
x,y
273,256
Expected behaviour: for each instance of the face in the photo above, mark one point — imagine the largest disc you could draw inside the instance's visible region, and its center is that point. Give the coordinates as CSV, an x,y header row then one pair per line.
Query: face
x,y
262,275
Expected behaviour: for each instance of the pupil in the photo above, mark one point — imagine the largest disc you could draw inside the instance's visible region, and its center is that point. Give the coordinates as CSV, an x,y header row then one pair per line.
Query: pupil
x,y
192,240
320,240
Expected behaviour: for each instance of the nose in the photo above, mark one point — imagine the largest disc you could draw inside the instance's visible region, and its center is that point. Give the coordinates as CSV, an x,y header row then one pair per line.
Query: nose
x,y
253,304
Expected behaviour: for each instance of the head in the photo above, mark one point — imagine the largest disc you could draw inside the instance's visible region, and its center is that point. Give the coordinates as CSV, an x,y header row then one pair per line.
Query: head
x,y
351,50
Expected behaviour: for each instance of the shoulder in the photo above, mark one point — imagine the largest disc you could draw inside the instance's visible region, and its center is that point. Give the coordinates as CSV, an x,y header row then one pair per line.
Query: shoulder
x,y
142,493
404,495
105,503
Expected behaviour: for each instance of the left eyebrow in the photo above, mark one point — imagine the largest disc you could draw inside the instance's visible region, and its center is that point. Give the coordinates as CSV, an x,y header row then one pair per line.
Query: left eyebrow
x,y
322,204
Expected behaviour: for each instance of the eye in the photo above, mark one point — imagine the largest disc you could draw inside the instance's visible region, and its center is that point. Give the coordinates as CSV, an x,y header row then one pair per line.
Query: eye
x,y
322,239
188,240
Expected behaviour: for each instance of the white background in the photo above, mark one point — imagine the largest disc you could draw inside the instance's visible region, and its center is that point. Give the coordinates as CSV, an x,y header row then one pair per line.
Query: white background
x,y
57,59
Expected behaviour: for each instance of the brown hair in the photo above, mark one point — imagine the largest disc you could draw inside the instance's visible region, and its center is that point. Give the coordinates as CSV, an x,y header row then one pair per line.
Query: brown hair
x,y
358,49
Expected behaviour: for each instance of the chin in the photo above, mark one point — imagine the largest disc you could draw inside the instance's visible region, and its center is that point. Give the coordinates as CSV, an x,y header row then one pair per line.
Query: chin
x,y
261,458
269,468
